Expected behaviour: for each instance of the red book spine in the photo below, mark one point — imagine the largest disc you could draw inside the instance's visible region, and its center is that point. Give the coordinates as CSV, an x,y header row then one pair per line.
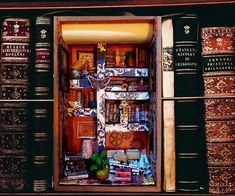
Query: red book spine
x,y
218,54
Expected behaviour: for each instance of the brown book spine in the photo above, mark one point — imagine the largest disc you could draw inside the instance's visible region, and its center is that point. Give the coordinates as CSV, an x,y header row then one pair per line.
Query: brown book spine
x,y
14,118
15,58
218,54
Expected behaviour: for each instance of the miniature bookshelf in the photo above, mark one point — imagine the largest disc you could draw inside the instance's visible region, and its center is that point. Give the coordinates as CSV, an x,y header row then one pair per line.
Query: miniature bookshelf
x,y
124,91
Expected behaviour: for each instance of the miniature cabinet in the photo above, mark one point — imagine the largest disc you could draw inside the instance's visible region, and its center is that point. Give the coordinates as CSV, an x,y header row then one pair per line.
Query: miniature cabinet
x,y
106,98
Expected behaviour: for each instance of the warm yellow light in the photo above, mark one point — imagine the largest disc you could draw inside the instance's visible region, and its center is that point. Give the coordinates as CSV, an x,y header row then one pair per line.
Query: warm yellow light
x,y
108,33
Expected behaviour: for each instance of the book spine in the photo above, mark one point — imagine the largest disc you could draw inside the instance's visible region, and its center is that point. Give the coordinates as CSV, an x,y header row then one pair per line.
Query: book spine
x,y
13,146
42,88
188,144
15,58
168,107
187,64
14,136
218,54
42,77
41,143
188,113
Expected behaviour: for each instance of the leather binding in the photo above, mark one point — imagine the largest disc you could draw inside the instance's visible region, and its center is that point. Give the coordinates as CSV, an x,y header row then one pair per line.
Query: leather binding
x,y
219,76
15,58
42,81
41,146
13,128
189,145
14,116
14,73
41,86
16,30
188,112
13,173
13,146
14,80
15,52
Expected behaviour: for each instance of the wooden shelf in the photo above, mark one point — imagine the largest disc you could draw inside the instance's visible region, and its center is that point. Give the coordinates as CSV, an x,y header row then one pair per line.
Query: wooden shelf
x,y
73,4
26,100
117,193
198,97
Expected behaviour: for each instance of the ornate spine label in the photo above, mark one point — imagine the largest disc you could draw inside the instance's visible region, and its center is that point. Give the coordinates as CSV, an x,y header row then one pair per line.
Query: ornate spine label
x,y
42,55
218,40
216,63
186,58
15,52
16,29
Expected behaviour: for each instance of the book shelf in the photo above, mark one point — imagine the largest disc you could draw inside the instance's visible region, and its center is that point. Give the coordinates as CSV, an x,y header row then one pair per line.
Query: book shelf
x,y
148,8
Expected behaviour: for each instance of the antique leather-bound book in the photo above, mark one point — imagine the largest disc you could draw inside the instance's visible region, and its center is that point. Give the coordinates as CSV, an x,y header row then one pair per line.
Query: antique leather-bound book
x,y
188,112
41,84
218,54
14,74
15,58
42,77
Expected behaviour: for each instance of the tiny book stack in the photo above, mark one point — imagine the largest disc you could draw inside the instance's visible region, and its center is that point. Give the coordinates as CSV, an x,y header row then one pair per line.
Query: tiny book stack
x,y
218,54
75,167
15,58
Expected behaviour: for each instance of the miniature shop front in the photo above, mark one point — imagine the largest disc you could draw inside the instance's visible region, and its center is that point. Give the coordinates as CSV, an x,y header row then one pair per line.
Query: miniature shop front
x,y
107,95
